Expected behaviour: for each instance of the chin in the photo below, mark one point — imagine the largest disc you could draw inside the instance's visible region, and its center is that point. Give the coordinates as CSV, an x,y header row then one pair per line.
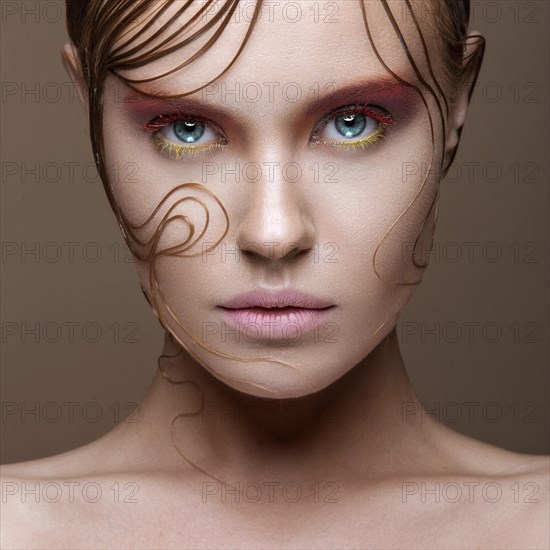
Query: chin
x,y
271,379
275,371
286,390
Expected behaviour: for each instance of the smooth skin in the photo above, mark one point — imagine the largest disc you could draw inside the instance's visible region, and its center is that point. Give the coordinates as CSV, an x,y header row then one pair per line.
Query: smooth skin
x,y
343,426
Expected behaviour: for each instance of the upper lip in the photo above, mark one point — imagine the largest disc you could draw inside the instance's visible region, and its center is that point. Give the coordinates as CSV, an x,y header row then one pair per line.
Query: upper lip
x,y
278,298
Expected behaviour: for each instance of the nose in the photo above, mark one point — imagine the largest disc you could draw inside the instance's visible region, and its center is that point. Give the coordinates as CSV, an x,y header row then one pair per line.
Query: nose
x,y
275,226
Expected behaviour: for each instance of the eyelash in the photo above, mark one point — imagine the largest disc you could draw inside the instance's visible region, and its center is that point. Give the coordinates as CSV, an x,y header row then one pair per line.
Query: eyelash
x,y
382,117
179,151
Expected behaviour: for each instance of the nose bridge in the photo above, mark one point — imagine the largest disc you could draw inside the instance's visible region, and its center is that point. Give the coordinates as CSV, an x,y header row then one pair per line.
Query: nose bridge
x,y
275,223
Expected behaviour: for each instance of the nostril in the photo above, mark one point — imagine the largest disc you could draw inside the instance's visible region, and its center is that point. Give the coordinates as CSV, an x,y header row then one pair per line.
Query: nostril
x,y
249,255
293,254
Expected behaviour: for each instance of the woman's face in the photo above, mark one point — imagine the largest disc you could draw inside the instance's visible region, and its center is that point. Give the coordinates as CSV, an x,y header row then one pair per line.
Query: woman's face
x,y
302,183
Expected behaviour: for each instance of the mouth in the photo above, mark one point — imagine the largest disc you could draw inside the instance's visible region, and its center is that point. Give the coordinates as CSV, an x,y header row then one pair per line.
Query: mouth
x,y
274,312
283,315
267,299
275,309
277,323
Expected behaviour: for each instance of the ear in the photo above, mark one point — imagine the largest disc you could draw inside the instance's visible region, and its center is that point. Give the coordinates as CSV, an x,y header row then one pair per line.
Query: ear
x,y
71,62
472,60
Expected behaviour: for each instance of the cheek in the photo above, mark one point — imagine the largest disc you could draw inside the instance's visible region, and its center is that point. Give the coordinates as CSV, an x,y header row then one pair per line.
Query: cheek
x,y
382,207
382,213
169,217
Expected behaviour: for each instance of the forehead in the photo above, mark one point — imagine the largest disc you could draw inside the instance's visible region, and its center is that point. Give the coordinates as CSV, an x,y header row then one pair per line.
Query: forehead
x,y
308,43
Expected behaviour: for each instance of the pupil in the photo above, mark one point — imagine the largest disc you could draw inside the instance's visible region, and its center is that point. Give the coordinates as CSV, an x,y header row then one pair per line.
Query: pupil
x,y
351,125
188,130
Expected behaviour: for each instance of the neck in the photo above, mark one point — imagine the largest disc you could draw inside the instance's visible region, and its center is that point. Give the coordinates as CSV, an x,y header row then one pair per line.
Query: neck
x,y
365,423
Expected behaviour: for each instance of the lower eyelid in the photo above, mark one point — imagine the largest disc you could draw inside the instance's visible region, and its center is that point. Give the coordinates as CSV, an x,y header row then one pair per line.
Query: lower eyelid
x,y
373,138
383,121
359,144
180,151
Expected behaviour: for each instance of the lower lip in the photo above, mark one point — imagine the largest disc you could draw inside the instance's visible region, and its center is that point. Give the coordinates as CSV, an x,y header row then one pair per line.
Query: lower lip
x,y
288,323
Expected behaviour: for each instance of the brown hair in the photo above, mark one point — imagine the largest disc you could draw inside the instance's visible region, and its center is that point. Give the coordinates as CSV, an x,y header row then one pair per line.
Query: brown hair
x,y
449,17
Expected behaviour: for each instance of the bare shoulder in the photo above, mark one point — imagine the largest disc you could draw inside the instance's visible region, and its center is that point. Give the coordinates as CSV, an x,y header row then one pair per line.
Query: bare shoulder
x,y
503,496
514,489
57,501
49,502
529,484
22,516
41,510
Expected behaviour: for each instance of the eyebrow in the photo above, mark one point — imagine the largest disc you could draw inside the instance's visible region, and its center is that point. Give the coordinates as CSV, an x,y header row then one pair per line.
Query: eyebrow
x,y
378,86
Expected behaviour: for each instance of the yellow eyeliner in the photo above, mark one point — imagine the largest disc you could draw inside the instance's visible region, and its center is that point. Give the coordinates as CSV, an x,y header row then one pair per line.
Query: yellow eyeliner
x,y
182,151
188,151
356,144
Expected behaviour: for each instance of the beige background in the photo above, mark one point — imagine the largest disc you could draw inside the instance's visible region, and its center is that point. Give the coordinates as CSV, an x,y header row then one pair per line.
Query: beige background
x,y
53,391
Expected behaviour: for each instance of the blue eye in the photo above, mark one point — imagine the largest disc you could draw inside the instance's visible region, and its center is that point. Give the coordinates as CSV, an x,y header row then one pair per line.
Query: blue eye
x,y
352,126
180,135
188,131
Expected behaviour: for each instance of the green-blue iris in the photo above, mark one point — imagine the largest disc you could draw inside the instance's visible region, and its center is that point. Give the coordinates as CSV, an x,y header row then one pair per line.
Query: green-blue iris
x,y
351,125
188,130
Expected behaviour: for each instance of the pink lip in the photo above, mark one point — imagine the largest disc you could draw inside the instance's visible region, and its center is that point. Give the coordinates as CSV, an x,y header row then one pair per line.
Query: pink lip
x,y
286,314
276,299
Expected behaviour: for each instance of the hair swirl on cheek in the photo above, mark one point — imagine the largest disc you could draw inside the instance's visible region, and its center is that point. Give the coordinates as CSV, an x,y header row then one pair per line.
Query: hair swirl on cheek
x,y
432,132
155,250
442,105
94,27
443,109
